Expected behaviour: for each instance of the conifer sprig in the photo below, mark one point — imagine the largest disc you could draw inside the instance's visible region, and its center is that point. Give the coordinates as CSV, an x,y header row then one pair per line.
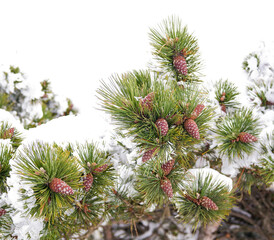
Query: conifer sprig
x,y
91,159
189,201
228,130
124,207
5,156
149,178
248,177
124,98
37,165
88,211
267,161
9,132
226,93
171,39
6,223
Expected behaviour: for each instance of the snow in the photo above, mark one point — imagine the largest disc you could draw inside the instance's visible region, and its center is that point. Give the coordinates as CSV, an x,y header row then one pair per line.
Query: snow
x,y
23,225
70,129
8,117
216,177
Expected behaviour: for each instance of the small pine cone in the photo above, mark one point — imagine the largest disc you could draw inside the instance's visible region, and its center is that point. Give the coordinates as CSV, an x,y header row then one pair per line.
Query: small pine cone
x,y
2,212
148,155
167,187
247,137
223,94
147,101
222,98
196,112
8,133
192,128
179,63
208,203
88,180
59,186
167,167
101,168
223,108
162,126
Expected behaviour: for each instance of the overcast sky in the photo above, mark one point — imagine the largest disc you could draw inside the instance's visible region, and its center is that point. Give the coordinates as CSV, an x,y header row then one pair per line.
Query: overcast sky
x,y
77,43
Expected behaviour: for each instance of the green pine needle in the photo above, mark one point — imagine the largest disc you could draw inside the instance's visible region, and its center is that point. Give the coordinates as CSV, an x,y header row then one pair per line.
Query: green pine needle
x,y
267,161
230,91
191,212
90,158
121,98
6,223
171,38
5,156
229,129
148,182
15,137
37,165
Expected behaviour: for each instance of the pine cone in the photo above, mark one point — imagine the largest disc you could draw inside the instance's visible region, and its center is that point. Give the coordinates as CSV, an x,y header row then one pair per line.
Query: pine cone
x,y
222,98
192,128
8,133
147,101
208,203
167,167
2,212
148,155
162,126
101,168
196,112
247,137
59,186
179,63
223,108
88,180
167,187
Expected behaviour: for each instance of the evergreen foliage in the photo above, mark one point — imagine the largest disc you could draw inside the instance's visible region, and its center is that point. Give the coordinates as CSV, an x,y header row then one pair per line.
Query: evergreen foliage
x,y
9,132
5,156
171,39
189,204
229,129
16,97
174,129
226,93
261,80
38,165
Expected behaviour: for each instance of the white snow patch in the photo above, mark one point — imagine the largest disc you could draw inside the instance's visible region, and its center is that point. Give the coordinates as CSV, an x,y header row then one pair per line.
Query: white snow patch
x,y
216,176
6,116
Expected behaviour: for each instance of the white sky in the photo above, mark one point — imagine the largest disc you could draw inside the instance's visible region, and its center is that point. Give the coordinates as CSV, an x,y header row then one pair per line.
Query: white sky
x,y
77,43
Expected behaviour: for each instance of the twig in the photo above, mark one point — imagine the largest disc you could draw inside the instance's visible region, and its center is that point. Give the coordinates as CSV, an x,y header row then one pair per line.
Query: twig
x,y
238,182
91,230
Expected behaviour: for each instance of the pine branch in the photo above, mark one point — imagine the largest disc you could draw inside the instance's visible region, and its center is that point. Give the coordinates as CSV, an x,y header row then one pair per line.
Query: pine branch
x,y
230,129
191,203
38,165
226,93
171,39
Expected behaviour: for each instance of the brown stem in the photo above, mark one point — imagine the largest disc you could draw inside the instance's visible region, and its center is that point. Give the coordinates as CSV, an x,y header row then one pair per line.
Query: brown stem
x,y
196,201
238,182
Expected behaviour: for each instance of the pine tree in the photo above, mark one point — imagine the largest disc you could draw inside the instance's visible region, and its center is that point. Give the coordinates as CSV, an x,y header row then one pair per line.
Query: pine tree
x,y
174,127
